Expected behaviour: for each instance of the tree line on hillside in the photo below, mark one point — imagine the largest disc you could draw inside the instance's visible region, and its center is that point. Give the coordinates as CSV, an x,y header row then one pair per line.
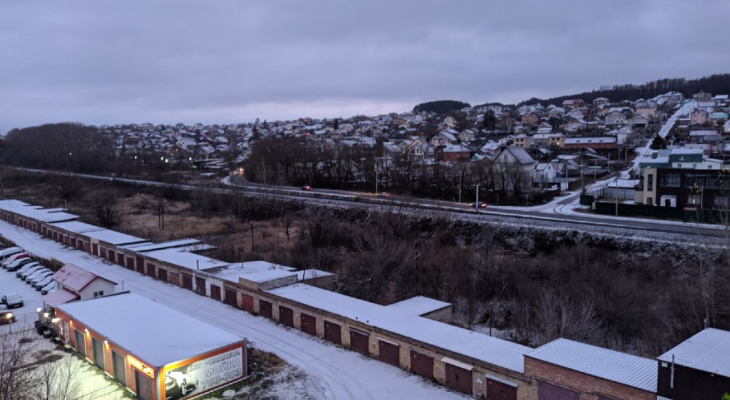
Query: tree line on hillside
x,y
717,84
440,106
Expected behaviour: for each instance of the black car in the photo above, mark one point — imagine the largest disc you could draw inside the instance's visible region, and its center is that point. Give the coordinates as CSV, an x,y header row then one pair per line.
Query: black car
x,y
482,204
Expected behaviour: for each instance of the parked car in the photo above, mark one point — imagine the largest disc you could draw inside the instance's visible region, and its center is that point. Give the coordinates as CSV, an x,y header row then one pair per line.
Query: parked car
x,y
27,267
29,272
482,204
39,278
40,272
13,258
12,300
19,263
48,288
384,194
306,187
39,284
5,253
7,317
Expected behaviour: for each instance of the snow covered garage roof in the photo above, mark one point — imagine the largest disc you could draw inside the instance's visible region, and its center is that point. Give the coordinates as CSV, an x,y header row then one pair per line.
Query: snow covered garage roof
x,y
603,363
461,341
35,212
95,232
184,258
156,334
708,350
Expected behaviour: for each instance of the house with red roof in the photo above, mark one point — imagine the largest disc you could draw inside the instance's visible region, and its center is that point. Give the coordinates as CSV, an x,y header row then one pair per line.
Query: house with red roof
x,y
76,283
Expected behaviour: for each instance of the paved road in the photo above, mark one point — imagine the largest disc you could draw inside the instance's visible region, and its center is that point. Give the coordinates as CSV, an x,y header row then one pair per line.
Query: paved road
x,y
499,214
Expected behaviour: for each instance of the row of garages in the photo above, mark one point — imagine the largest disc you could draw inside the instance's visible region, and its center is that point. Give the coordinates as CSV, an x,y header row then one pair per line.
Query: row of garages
x,y
462,360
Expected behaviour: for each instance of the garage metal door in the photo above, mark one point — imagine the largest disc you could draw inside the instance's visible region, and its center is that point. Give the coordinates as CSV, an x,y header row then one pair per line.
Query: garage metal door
x,y
187,281
266,309
389,353
332,332
247,302
120,371
151,270
215,292
174,278
421,365
546,391
162,274
80,342
140,265
98,353
144,385
286,316
130,263
458,379
120,259
309,324
497,390
94,248
112,255
200,285
230,296
359,342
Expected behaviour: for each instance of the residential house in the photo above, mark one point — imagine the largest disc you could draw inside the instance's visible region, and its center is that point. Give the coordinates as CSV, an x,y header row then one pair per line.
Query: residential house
x,y
615,118
545,172
453,153
639,121
573,103
76,283
600,101
698,117
522,141
547,140
444,137
595,142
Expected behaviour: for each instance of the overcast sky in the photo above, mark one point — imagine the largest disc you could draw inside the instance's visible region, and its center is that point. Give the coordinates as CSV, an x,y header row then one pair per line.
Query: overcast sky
x,y
133,61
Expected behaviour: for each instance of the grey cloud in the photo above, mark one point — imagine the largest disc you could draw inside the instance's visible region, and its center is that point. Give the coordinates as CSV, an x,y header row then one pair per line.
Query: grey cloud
x,y
169,61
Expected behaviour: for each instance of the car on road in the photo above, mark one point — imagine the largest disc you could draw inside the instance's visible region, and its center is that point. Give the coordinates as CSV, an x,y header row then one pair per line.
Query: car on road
x,y
384,194
306,187
6,317
19,264
482,204
12,300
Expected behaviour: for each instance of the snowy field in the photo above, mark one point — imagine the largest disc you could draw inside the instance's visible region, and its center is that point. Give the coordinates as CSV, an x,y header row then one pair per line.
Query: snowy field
x,y
332,372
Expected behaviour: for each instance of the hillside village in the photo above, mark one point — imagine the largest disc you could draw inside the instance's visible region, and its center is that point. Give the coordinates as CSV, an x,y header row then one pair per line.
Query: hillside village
x,y
555,145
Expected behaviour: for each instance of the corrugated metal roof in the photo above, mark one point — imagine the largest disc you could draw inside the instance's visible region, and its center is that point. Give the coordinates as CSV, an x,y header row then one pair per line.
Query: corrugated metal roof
x,y
708,351
74,277
603,363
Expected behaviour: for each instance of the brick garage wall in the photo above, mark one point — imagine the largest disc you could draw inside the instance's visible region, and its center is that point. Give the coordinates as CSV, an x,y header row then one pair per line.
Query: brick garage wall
x,y
589,386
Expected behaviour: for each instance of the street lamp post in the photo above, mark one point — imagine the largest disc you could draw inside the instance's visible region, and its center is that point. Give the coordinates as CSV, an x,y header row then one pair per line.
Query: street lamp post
x,y
476,203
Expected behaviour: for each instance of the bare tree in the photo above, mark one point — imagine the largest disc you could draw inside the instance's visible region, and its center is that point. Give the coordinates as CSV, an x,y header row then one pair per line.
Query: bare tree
x,y
17,381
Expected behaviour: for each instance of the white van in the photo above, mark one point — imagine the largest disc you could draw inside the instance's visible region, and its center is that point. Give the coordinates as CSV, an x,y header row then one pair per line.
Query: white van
x,y
5,253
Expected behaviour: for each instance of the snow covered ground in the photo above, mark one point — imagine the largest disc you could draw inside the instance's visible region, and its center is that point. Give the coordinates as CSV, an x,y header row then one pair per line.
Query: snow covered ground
x,y
333,372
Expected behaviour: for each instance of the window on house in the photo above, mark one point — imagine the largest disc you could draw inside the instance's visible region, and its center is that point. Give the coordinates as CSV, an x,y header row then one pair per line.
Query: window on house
x,y
722,203
650,183
99,294
693,199
649,201
669,180
694,165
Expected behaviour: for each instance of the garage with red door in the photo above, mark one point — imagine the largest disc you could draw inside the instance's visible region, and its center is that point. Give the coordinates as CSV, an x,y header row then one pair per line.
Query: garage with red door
x,y
332,332
500,389
247,302
359,341
286,316
266,309
458,376
309,324
422,364
389,352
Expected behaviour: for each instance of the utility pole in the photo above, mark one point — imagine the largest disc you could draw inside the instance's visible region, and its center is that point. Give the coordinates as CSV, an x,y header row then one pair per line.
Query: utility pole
x,y
251,237
476,203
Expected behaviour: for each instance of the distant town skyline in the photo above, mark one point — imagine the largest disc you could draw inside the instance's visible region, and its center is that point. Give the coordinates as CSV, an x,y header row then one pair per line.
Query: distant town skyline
x,y
104,62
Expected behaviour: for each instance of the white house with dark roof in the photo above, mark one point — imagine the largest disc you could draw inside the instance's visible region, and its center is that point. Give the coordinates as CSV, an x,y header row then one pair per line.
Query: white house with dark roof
x,y
76,283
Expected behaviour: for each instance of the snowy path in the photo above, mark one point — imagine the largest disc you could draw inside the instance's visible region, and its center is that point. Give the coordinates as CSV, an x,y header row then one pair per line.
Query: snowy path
x,y
341,374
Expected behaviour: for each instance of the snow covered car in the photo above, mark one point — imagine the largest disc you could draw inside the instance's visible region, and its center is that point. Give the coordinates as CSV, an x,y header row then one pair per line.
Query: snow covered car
x,y
179,383
12,300
40,284
48,288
